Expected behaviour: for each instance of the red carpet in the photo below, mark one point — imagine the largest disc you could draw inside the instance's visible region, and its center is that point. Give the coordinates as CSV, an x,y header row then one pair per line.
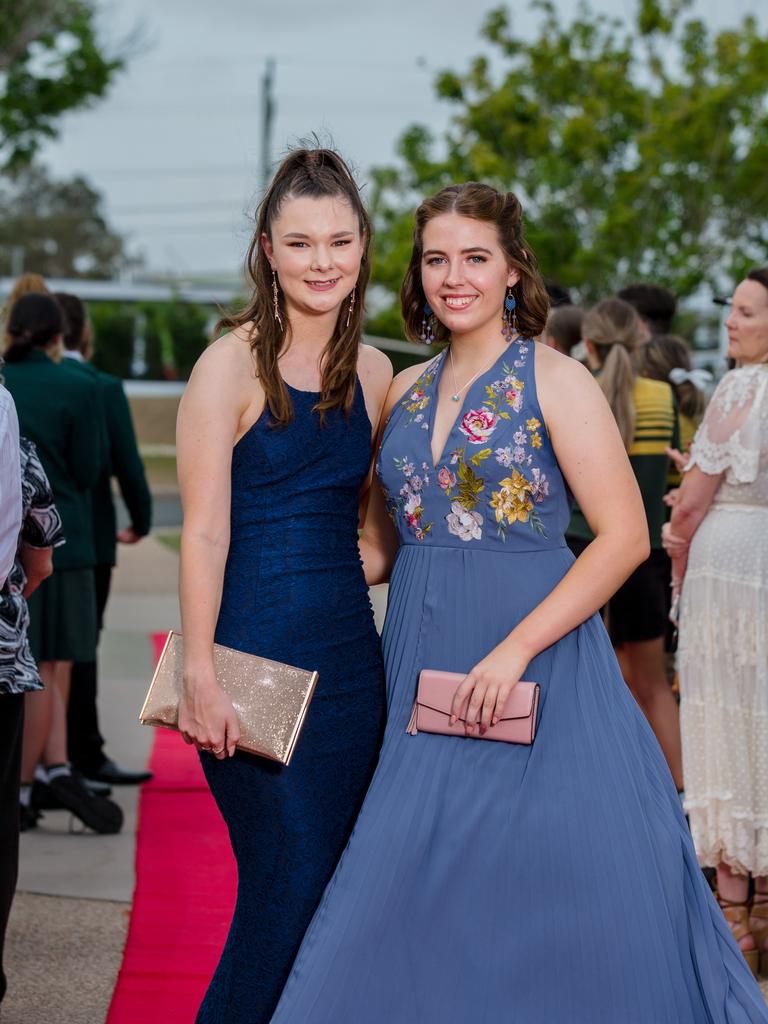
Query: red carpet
x,y
185,891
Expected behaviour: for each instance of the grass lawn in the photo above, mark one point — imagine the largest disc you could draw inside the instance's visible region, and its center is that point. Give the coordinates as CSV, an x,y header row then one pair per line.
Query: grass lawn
x,y
160,470
171,540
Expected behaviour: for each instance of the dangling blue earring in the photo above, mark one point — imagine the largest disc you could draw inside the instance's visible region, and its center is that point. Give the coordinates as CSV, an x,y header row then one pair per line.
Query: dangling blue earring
x,y
509,317
427,325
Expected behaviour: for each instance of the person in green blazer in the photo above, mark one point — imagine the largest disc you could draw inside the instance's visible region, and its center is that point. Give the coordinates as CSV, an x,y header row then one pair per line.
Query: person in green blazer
x,y
59,413
86,743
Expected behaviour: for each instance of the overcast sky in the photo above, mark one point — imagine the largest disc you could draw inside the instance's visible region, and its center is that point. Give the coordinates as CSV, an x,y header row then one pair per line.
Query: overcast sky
x,y
175,148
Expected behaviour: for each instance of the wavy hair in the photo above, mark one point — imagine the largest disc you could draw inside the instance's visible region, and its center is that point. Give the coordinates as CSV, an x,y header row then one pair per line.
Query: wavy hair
x,y
485,203
314,173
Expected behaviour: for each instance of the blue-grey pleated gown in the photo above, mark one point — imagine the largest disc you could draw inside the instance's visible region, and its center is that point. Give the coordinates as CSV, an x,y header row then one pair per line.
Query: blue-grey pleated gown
x,y
487,882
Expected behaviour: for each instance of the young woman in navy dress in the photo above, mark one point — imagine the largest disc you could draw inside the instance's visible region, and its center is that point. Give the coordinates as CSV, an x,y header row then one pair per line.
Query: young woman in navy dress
x,y
274,448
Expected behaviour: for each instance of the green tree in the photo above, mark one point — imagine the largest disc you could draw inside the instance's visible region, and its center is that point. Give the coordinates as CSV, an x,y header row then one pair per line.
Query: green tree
x,y
51,62
58,228
639,150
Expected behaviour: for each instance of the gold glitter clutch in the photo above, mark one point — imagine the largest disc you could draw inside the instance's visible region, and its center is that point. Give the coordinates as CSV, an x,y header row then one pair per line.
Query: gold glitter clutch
x,y
269,698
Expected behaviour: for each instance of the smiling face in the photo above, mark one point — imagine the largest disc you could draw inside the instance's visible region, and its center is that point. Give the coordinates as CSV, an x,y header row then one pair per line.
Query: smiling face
x,y
464,273
315,248
747,323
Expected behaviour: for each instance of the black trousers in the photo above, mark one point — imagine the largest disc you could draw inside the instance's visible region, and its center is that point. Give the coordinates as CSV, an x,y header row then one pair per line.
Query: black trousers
x,y
11,728
84,740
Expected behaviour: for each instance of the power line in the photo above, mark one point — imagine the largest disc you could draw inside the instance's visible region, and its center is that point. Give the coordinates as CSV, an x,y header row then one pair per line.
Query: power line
x,y
191,207
172,172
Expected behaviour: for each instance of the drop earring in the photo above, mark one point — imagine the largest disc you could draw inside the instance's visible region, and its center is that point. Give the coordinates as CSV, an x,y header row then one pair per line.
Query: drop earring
x,y
351,305
275,299
427,325
509,317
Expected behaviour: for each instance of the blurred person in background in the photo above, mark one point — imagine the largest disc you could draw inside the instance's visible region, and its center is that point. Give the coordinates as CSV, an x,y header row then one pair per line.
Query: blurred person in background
x,y
666,357
563,328
25,284
557,293
637,613
85,742
40,533
11,712
718,540
655,306
10,483
59,413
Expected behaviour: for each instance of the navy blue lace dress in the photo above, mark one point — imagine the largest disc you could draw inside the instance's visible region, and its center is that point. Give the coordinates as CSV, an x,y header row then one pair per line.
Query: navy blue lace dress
x,y
294,591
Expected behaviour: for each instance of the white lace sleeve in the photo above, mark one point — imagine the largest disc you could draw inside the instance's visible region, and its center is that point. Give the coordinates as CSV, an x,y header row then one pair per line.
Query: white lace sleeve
x,y
728,439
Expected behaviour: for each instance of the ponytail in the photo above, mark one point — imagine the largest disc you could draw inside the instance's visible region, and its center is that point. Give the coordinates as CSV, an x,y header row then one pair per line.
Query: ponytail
x,y
617,380
613,329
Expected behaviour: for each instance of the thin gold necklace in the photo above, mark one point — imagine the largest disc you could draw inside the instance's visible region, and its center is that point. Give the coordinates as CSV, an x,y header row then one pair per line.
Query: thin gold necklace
x,y
456,396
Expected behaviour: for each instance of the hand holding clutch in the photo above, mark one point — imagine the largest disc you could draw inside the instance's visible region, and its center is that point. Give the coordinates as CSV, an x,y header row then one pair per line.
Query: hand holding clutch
x,y
207,718
269,701
482,695
433,710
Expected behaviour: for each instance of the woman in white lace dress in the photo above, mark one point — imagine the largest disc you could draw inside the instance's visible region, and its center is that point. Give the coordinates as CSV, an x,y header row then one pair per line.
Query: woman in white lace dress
x,y
718,537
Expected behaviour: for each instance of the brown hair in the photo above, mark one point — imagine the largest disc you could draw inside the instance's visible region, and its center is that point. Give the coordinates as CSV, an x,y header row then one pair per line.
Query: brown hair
x,y
315,173
25,284
666,352
759,274
33,322
613,328
481,202
564,326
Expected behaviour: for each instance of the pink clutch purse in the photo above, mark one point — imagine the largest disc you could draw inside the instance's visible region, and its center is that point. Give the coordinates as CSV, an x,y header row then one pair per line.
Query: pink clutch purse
x,y
432,710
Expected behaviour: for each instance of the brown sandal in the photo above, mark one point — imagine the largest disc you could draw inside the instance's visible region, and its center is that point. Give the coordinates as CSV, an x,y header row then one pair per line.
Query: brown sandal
x,y
758,925
738,919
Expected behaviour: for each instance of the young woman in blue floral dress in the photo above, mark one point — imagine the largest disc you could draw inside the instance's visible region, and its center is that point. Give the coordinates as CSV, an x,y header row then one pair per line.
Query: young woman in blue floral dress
x,y
488,881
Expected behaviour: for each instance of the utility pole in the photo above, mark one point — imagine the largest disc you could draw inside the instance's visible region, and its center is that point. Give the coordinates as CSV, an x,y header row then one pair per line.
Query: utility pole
x,y
267,121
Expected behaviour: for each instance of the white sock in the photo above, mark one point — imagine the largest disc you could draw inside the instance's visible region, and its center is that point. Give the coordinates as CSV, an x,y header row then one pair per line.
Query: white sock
x,y
25,794
57,771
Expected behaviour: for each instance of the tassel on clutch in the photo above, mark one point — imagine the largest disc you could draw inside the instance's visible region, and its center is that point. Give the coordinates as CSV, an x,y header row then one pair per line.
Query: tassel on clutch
x,y
270,699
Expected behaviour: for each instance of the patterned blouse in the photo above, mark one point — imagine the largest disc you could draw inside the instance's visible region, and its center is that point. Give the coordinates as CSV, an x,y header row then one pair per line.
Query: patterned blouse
x,y
41,528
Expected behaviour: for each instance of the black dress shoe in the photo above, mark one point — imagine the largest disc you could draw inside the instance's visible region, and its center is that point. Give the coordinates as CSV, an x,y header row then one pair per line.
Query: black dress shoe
x,y
28,818
97,812
44,799
114,775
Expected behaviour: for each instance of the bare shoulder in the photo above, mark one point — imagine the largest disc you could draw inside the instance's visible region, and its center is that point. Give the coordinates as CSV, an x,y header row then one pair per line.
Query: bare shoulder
x,y
559,379
373,361
405,380
227,362
375,373
223,380
374,370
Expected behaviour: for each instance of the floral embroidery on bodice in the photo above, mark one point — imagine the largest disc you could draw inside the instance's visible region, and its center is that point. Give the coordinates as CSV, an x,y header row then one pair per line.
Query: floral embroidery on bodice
x,y
496,482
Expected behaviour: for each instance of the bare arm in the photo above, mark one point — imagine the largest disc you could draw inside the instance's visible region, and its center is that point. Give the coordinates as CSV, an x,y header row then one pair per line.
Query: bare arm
x,y
210,413
694,497
378,540
375,372
38,566
594,462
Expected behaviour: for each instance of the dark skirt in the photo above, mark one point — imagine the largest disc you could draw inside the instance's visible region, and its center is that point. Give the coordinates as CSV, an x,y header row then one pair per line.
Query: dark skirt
x,y
62,617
